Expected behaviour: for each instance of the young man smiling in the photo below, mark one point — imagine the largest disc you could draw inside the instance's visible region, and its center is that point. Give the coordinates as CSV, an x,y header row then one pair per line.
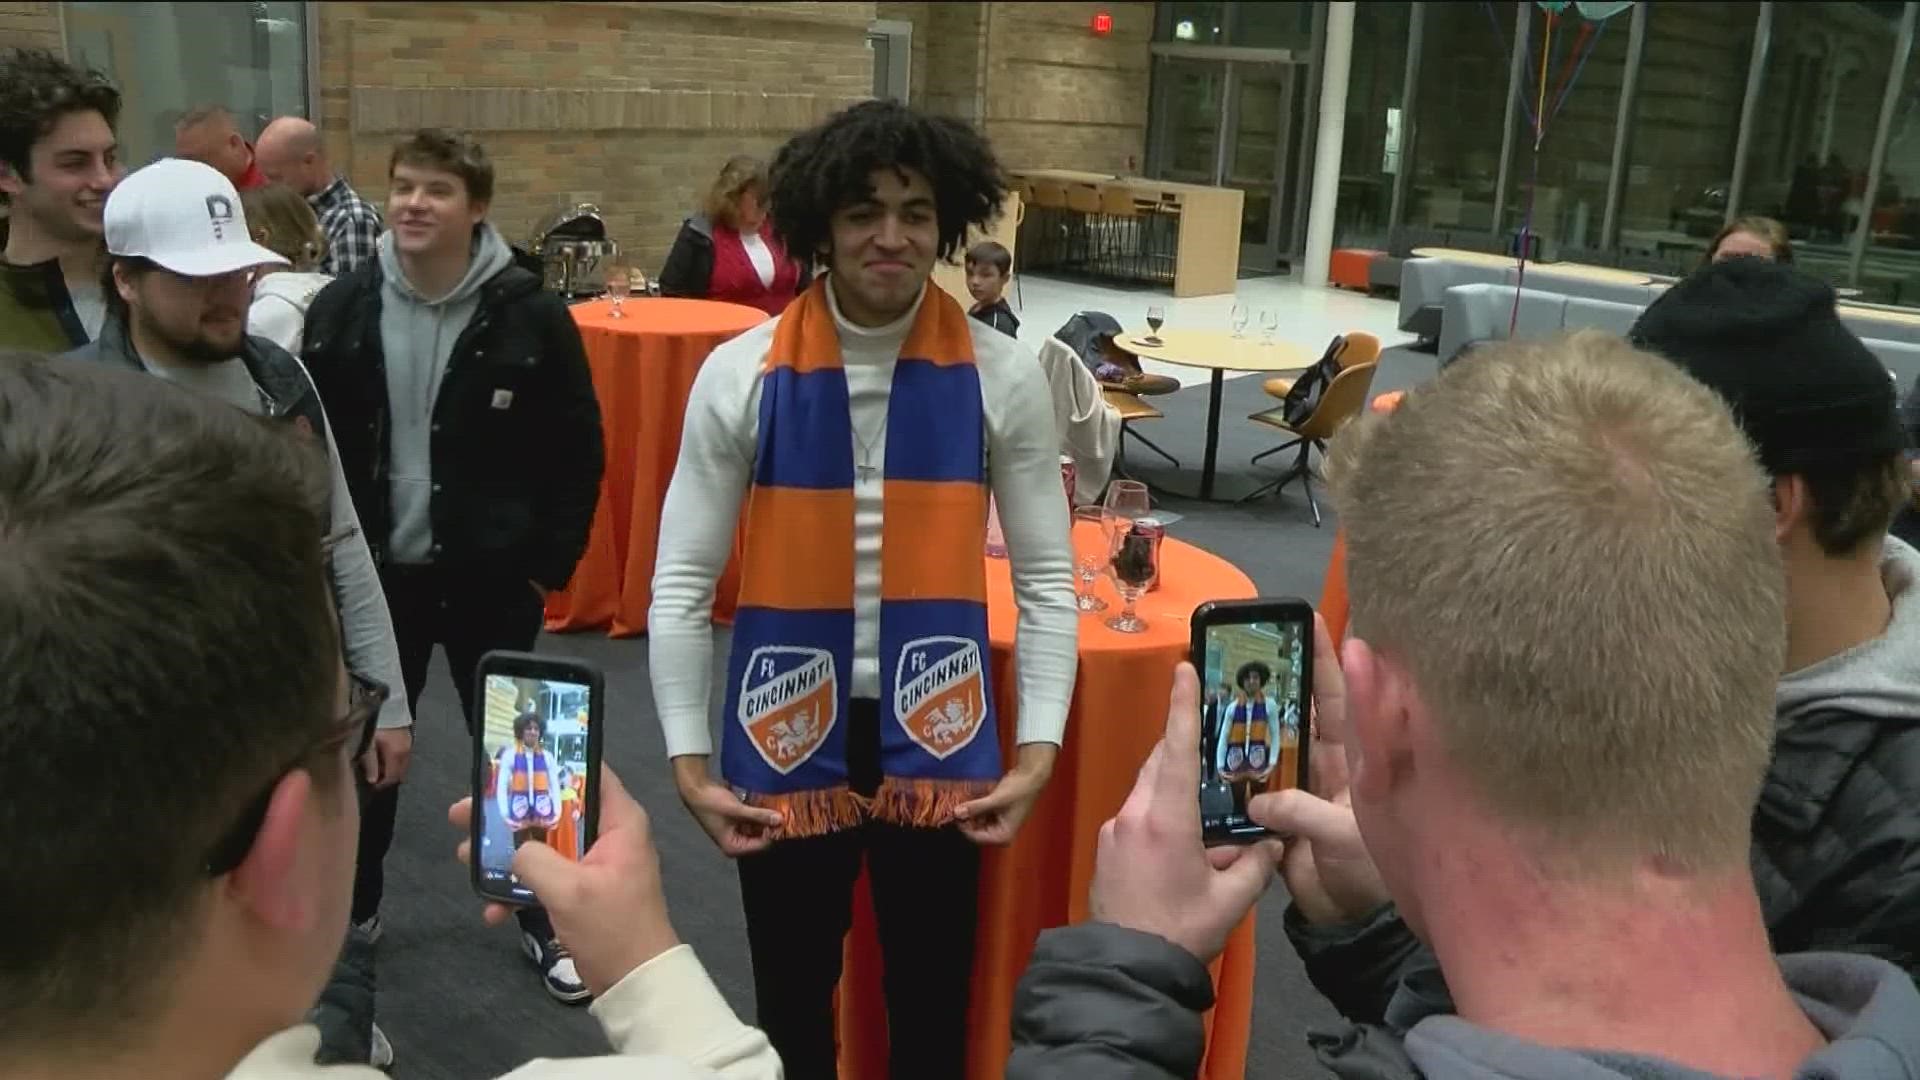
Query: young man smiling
x,y
470,436
58,161
870,420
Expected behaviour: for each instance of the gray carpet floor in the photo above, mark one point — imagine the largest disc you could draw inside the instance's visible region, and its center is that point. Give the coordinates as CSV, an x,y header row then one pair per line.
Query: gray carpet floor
x,y
458,1000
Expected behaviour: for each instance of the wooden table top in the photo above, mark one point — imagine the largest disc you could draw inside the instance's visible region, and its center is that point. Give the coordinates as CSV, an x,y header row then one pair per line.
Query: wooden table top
x,y
1217,349
1076,176
1458,255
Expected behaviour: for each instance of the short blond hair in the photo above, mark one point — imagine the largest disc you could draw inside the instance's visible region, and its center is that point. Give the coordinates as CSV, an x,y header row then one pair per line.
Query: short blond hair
x,y
1569,545
283,223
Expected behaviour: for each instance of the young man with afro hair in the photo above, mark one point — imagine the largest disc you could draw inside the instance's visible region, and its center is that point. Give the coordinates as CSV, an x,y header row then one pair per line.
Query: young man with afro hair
x,y
862,432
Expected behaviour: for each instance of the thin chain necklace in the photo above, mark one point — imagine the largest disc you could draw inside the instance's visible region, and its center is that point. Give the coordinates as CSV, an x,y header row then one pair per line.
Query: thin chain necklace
x,y
865,467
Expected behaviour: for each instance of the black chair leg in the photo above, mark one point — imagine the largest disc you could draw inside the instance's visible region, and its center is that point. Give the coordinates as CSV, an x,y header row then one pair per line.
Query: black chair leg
x,y
1151,445
1269,453
1299,470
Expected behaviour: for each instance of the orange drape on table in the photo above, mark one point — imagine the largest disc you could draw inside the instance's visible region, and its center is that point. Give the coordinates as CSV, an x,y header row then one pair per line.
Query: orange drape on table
x,y
1118,715
643,368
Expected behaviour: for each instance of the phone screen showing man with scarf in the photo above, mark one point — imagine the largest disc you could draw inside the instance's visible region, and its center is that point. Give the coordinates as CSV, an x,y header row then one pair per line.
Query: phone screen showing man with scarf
x,y
536,765
1253,658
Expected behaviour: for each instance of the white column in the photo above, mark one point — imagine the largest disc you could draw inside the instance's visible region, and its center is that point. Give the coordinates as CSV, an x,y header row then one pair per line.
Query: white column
x,y
1326,151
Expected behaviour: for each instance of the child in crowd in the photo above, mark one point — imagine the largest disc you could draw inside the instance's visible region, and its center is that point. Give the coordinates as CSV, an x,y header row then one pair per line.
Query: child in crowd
x,y
989,265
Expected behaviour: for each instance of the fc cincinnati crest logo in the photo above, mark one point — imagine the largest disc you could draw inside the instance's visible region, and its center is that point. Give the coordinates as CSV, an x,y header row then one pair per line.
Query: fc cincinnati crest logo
x,y
788,698
940,693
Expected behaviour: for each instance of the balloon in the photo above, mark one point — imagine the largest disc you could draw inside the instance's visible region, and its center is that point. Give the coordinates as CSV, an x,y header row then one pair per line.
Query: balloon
x,y
1596,10
1599,10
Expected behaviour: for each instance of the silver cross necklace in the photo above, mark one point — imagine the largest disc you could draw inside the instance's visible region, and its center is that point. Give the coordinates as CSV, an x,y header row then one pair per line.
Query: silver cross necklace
x,y
865,466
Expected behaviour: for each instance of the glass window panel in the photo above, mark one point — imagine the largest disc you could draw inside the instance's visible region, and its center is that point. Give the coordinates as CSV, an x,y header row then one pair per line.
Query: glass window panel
x,y
1456,135
1891,273
168,58
1370,149
1276,24
1686,124
1826,73
1202,24
1191,102
1582,103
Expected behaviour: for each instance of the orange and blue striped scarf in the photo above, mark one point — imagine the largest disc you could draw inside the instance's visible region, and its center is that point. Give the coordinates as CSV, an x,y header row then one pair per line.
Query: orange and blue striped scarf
x,y
784,742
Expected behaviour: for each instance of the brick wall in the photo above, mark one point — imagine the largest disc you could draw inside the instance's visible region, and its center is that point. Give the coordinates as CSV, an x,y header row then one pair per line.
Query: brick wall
x,y
30,25
1037,80
1056,95
631,106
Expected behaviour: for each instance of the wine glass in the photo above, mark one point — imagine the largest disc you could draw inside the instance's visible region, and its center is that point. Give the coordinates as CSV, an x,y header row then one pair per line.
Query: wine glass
x,y
1135,566
1269,322
1156,315
1238,320
1090,559
619,283
1126,500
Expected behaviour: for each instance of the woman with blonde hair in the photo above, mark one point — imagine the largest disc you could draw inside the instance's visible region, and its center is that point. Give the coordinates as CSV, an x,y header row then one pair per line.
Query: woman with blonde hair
x,y
1752,236
283,223
728,251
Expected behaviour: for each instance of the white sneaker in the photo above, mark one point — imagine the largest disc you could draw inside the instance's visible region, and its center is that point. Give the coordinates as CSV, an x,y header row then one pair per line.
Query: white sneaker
x,y
555,965
381,1056
372,928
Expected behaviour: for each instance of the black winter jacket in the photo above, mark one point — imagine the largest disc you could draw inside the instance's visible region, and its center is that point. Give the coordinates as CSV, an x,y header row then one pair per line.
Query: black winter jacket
x,y
515,485
688,270
1101,1001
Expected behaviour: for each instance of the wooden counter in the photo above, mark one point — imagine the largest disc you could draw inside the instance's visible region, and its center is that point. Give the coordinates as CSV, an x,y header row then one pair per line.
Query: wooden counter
x,y
1207,253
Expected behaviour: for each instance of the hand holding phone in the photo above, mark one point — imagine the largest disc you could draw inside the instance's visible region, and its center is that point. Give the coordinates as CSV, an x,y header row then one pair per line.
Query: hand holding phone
x,y
536,765
1327,868
1255,659
1152,873
608,907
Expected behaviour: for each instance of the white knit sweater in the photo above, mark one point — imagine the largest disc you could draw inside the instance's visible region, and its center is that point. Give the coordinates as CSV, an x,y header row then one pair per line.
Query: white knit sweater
x,y
716,467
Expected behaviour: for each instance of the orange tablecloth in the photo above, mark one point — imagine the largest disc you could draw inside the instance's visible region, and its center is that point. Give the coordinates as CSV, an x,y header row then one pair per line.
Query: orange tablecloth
x,y
643,368
1118,714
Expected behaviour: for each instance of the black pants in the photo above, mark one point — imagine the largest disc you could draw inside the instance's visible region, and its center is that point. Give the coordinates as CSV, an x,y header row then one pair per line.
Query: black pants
x,y
798,896
468,615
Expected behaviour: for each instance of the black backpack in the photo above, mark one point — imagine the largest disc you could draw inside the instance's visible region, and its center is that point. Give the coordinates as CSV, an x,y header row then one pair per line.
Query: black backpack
x,y
1303,397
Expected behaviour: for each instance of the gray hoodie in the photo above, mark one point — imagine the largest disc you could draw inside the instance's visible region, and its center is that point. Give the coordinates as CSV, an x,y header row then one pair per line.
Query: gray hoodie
x,y
1867,1008
417,337
1878,678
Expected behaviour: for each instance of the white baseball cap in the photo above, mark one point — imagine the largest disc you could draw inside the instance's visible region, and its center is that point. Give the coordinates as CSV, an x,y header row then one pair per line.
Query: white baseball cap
x,y
185,216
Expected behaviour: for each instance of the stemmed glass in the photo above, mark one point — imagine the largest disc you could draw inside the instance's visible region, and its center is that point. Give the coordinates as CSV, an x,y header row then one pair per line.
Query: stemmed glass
x,y
1269,322
619,283
1132,558
1156,315
1090,559
1238,320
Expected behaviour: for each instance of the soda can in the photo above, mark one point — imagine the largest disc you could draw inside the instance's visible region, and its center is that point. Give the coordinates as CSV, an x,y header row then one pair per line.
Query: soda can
x,y
1148,532
1069,476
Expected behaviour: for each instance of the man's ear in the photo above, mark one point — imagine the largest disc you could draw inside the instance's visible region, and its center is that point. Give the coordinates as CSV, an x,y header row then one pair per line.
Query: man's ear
x,y
1792,504
11,182
123,282
270,881
1378,733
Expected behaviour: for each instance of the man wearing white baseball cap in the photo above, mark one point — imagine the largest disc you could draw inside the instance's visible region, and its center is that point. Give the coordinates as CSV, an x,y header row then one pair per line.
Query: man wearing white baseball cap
x,y
178,282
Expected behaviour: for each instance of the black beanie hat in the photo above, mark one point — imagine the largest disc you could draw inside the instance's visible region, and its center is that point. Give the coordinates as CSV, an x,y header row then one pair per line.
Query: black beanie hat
x,y
1767,339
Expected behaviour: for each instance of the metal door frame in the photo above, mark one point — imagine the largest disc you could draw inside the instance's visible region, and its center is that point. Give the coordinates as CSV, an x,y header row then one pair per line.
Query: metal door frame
x,y
1232,62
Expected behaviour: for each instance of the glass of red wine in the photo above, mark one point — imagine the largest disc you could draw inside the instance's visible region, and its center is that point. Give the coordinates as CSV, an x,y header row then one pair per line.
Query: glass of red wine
x,y
1135,566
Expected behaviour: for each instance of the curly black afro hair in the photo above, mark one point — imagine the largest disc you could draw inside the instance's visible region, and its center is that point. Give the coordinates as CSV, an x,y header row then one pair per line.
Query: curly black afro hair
x,y
828,168
37,88
1253,667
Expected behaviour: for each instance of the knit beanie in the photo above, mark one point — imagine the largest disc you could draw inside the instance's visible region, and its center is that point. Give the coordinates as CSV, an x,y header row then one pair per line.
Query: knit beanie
x,y
1767,339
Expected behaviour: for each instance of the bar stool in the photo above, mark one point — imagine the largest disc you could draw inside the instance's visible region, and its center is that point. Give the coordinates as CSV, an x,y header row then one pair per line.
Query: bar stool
x,y
1083,202
1050,199
1123,229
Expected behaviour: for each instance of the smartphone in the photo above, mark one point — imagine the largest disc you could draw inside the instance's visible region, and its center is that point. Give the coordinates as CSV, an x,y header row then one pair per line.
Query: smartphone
x,y
1255,660
536,764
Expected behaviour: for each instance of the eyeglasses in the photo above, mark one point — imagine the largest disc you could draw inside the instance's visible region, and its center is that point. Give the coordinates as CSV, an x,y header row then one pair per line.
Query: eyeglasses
x,y
205,285
364,700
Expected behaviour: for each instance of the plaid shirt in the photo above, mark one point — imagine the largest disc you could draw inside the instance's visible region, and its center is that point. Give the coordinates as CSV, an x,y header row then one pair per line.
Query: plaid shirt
x,y
352,226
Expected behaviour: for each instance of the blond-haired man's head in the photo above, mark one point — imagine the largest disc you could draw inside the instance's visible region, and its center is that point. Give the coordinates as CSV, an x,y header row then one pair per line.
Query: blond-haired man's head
x,y
1567,618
